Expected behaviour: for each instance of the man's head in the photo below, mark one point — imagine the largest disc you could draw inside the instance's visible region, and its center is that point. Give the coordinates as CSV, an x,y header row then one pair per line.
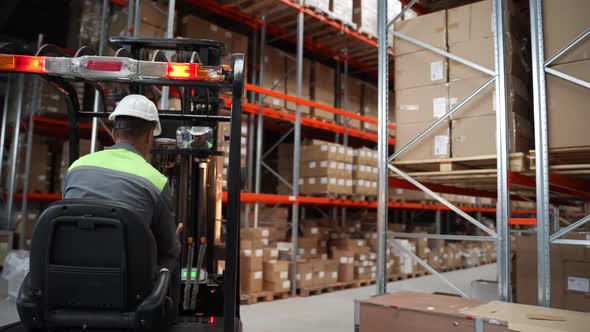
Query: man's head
x,y
136,122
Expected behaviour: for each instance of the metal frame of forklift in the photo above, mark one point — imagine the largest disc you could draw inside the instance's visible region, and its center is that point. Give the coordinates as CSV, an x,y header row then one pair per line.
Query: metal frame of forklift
x,y
186,51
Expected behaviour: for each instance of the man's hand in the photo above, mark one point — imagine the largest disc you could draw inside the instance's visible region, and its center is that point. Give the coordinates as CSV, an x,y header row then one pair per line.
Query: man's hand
x,y
179,230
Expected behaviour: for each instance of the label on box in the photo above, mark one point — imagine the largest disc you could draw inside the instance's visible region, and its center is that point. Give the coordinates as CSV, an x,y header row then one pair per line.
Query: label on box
x,y
436,71
276,101
286,284
332,181
324,147
409,107
265,232
361,270
274,253
349,182
313,251
265,242
350,153
227,34
301,251
247,252
341,150
333,164
343,260
311,164
366,263
322,274
439,107
349,167
284,275
258,275
213,27
324,180
308,276
362,257
360,243
298,277
300,181
340,165
441,145
323,164
350,260
373,269
372,256
311,180
324,243
333,148
334,275
340,182
362,168
578,284
258,252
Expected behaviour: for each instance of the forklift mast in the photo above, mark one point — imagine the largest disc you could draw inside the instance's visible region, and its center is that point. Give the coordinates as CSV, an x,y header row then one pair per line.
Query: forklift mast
x,y
186,152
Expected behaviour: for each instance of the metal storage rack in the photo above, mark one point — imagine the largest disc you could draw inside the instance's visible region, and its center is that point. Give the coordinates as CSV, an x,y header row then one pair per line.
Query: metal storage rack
x,y
540,67
505,179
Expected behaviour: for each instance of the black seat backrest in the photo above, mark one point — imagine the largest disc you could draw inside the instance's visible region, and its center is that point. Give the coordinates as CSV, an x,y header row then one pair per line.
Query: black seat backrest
x,y
87,254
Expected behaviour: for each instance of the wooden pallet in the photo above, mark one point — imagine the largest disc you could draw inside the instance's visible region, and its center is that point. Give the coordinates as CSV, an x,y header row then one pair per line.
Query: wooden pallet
x,y
254,298
317,290
281,295
457,166
572,161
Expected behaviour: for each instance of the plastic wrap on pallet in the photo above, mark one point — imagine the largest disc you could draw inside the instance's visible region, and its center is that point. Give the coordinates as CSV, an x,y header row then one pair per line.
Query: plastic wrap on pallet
x,y
342,10
322,5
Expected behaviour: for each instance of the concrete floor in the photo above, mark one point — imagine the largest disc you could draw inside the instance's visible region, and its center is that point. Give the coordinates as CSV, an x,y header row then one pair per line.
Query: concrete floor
x,y
331,312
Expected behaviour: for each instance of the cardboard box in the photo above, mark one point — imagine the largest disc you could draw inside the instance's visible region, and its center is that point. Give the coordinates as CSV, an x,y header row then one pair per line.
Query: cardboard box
x,y
428,28
331,267
276,270
564,21
345,259
419,69
476,136
251,282
154,14
421,104
567,107
432,146
304,278
365,16
327,168
484,103
365,156
474,21
323,87
481,52
354,101
348,244
275,75
270,254
319,272
277,286
570,273
251,260
429,312
321,185
291,75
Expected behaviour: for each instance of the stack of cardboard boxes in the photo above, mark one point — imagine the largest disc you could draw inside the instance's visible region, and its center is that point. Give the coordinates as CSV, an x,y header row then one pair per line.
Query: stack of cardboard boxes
x,y
428,85
365,172
326,168
276,276
567,102
252,242
153,22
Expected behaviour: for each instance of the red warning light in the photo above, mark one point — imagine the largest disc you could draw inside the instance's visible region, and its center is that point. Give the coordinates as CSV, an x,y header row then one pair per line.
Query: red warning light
x,y
181,71
104,65
211,320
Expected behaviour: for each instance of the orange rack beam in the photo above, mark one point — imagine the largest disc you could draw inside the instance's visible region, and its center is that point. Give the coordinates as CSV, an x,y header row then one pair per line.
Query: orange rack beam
x,y
285,116
312,200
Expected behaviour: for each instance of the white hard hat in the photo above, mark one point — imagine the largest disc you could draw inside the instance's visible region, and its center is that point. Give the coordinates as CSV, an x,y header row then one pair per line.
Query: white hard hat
x,y
138,106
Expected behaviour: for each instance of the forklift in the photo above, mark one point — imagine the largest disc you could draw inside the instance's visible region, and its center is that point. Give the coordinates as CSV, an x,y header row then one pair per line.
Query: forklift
x,y
71,289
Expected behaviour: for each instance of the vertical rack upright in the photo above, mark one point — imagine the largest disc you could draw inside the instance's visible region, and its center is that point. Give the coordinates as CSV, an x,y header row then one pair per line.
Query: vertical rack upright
x,y
501,235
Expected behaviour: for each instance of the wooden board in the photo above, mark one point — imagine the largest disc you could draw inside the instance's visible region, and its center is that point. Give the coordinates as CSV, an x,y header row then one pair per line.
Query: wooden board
x,y
469,165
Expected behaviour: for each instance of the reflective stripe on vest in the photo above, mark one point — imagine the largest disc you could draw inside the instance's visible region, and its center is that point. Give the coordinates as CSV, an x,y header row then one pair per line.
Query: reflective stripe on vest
x,y
123,160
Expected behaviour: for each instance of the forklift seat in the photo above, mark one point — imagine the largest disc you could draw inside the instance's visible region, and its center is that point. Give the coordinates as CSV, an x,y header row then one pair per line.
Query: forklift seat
x,y
93,265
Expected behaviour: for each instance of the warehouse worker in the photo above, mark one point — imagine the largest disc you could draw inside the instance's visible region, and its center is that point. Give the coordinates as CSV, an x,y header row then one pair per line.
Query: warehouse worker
x,y
122,174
